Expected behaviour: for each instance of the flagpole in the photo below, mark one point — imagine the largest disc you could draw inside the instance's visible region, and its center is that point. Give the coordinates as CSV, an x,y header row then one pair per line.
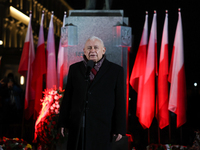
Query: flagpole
x,y
148,136
158,118
149,127
22,127
181,139
156,94
169,118
169,111
169,128
24,97
156,91
33,121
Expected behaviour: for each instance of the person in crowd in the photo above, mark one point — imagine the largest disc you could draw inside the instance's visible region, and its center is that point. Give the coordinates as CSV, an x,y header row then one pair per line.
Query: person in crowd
x,y
93,111
11,102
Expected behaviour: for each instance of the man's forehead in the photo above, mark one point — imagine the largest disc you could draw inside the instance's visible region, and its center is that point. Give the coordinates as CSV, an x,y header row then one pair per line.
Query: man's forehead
x,y
90,45
93,42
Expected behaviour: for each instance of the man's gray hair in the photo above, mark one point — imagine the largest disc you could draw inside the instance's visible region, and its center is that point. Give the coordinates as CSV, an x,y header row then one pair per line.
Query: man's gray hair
x,y
96,38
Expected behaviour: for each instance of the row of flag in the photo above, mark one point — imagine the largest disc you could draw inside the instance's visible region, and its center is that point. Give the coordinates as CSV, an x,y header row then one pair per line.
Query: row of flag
x,y
40,67
151,84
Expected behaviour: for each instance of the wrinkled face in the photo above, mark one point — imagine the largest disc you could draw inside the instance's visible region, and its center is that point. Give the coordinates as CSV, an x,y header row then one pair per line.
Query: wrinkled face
x,y
94,50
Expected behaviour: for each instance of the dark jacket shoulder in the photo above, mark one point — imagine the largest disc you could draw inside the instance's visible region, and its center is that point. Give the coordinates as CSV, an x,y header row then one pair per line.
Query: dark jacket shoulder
x,y
76,64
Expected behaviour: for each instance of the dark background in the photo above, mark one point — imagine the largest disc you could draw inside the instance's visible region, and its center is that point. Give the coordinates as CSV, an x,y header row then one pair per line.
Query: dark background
x,y
135,11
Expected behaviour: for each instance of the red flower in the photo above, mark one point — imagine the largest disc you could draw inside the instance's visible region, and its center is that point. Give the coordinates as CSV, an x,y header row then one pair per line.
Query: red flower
x,y
53,122
25,142
20,146
8,148
57,137
12,141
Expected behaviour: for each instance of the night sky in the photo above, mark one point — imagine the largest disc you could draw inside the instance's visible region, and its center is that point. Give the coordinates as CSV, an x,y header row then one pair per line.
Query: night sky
x,y
135,11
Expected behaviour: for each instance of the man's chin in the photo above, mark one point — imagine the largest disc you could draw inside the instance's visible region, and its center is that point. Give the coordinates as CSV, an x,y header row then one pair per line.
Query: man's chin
x,y
94,59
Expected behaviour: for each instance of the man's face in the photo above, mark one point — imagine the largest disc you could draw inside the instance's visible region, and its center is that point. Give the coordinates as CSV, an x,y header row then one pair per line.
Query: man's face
x,y
94,50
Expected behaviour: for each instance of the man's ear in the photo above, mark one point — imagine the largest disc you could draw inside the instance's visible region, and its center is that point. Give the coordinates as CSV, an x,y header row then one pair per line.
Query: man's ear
x,y
104,50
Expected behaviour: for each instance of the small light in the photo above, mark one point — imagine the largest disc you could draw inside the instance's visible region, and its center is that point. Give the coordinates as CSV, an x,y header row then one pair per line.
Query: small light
x,y
22,80
1,42
129,99
195,84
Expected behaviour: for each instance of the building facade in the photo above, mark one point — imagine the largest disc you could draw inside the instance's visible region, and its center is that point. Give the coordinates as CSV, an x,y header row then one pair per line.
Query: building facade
x,y
13,28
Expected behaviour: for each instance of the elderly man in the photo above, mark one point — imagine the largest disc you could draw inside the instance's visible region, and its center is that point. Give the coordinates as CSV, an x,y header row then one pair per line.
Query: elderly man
x,y
93,106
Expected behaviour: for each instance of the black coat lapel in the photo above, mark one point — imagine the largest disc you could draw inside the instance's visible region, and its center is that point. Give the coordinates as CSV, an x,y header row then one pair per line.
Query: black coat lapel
x,y
83,69
105,66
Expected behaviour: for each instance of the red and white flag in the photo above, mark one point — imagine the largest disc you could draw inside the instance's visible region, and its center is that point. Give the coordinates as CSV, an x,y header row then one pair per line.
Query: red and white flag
x,y
26,69
162,101
137,75
51,58
60,61
39,69
148,96
177,97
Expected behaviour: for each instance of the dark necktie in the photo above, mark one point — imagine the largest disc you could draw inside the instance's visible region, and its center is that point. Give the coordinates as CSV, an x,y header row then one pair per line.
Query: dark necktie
x,y
94,71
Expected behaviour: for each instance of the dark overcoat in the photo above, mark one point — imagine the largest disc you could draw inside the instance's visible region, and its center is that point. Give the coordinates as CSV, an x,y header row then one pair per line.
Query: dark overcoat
x,y
105,106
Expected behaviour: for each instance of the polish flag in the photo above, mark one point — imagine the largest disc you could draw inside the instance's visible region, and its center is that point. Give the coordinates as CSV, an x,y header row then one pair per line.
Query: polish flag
x,y
60,61
162,103
39,69
137,75
148,96
26,69
51,58
177,97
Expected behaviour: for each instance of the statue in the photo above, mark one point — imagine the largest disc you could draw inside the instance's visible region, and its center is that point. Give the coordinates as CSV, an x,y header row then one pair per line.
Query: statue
x,y
91,4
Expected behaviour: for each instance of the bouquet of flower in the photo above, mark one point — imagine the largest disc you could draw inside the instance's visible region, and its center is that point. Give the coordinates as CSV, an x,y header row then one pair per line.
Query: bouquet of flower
x,y
196,143
156,147
166,147
46,129
14,144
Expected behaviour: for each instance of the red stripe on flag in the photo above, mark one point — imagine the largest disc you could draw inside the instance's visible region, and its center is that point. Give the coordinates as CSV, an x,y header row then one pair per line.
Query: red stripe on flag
x,y
163,90
23,65
139,67
181,99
